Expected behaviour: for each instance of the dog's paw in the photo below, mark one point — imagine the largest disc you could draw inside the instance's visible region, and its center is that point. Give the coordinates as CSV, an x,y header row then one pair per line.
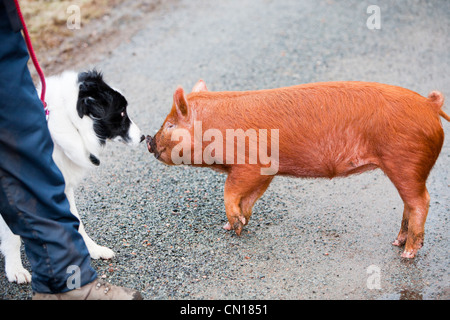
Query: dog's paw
x,y
99,252
19,275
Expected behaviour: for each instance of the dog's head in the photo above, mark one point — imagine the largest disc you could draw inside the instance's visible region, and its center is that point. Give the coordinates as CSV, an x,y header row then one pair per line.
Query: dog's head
x,y
107,108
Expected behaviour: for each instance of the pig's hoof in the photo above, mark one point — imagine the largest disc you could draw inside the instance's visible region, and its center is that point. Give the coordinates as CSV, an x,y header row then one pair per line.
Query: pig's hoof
x,y
237,226
409,254
401,240
227,226
398,243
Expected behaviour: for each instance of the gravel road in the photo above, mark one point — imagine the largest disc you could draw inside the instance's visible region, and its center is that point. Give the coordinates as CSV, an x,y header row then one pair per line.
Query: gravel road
x,y
308,239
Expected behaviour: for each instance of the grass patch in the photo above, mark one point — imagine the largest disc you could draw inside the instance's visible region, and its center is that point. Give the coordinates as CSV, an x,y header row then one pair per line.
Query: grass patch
x,y
47,19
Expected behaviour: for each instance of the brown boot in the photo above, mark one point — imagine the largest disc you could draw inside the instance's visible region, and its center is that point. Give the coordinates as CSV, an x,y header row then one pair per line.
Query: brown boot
x,y
96,290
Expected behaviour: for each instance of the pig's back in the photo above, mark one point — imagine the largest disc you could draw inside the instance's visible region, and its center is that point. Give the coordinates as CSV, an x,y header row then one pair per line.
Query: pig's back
x,y
307,105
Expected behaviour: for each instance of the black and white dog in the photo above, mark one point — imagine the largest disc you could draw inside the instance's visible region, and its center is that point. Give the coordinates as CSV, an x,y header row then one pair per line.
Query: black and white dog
x,y
84,113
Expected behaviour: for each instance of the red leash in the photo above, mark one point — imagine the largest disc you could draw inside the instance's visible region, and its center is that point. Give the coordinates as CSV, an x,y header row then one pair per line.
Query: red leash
x,y
33,57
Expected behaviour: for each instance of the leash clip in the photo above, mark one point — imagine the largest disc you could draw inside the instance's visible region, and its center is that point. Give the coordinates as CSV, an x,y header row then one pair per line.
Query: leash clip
x,y
47,112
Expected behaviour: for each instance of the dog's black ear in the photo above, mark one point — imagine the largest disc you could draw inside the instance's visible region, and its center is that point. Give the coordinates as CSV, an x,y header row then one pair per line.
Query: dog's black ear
x,y
88,85
91,107
84,105
81,108
91,76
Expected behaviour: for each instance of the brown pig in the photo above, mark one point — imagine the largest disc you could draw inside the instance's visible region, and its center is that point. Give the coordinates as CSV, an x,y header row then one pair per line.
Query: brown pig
x,y
330,129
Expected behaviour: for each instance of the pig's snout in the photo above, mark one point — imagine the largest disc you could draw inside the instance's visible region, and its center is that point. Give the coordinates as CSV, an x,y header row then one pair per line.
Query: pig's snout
x,y
150,144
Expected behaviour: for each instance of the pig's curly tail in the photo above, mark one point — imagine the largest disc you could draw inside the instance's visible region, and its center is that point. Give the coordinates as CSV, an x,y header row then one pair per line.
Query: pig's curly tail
x,y
437,99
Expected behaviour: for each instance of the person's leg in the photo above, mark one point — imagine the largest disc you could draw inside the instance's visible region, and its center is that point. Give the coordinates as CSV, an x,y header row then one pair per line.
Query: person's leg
x,y
32,199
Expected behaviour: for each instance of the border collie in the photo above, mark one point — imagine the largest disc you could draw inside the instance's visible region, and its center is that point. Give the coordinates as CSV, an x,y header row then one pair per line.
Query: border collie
x,y
84,113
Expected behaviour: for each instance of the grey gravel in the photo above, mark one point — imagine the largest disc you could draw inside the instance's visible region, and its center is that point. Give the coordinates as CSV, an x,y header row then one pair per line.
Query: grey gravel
x,y
308,239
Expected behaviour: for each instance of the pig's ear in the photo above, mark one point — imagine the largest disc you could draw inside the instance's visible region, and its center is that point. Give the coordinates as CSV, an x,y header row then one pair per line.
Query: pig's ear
x,y
200,86
179,99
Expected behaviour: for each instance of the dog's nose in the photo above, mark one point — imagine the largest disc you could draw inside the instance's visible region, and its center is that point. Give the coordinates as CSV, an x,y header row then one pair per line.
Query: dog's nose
x,y
142,138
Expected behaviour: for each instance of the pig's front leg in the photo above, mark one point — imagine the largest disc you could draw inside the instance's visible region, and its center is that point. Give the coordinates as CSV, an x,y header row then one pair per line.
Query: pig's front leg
x,y
243,188
236,220
248,201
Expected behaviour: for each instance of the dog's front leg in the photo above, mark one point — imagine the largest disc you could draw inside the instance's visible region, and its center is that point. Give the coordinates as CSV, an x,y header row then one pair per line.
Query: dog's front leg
x,y
10,247
95,251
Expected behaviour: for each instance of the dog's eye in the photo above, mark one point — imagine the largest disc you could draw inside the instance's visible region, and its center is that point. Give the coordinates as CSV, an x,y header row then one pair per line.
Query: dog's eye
x,y
122,114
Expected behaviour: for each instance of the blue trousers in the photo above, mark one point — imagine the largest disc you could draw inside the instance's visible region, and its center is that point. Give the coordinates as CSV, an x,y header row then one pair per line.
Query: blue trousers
x,y
32,199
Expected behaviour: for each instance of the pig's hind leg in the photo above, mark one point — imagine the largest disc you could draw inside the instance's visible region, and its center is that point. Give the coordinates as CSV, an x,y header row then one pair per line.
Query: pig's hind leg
x,y
413,225
416,201
403,233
